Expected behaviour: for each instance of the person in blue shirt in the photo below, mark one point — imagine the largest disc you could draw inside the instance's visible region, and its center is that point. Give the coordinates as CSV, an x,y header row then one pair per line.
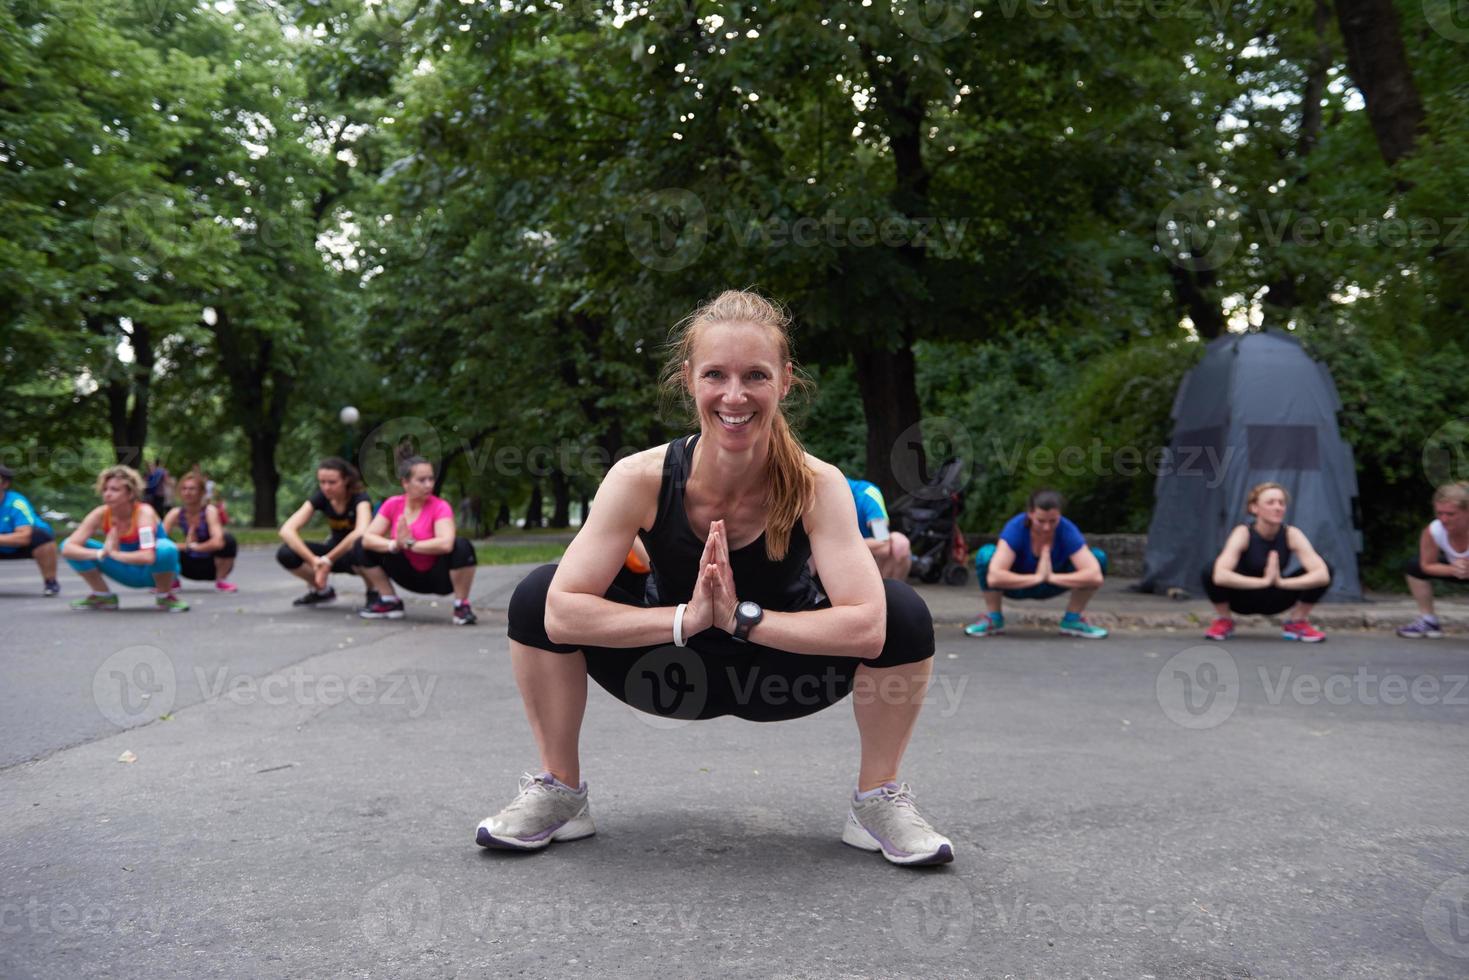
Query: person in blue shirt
x,y
23,534
890,549
1040,554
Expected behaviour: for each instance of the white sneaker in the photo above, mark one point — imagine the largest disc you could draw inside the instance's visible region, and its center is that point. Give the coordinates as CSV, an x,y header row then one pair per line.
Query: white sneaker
x,y
543,811
890,822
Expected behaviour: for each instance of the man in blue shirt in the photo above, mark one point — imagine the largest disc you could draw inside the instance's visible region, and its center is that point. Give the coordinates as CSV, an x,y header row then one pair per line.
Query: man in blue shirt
x,y
23,534
1040,554
890,549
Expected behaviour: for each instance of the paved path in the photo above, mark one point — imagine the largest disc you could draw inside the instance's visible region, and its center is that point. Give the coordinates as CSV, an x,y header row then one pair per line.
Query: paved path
x,y
1146,806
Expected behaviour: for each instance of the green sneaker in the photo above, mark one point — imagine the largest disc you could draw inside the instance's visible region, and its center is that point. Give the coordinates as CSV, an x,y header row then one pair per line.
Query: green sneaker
x,y
107,600
1074,624
986,625
169,602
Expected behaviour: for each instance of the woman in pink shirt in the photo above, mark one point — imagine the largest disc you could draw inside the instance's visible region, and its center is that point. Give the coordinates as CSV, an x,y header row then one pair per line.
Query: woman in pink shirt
x,y
412,541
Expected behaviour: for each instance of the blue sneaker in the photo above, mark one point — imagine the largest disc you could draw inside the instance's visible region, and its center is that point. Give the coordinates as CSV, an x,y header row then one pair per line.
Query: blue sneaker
x,y
991,624
1075,624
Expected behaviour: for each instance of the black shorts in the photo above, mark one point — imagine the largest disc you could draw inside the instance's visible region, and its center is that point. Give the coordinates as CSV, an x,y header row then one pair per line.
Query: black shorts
x,y
715,674
1262,602
1413,568
434,581
199,565
345,564
40,537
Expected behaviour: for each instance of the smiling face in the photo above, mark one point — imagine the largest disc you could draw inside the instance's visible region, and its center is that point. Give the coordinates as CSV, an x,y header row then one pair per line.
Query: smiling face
x,y
1269,506
419,482
737,378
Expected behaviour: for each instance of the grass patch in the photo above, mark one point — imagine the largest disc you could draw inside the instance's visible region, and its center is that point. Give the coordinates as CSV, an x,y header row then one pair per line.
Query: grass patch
x,y
490,553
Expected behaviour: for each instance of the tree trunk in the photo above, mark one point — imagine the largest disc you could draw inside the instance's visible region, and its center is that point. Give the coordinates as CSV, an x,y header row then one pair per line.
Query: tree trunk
x,y
895,460
1379,68
561,494
1192,295
533,509
259,391
264,476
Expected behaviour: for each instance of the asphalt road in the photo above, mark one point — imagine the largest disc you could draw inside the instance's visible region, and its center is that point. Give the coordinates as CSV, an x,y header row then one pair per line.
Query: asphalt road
x,y
306,786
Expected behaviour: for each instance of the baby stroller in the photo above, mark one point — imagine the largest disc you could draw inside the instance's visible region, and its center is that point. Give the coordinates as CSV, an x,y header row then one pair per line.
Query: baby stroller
x,y
930,519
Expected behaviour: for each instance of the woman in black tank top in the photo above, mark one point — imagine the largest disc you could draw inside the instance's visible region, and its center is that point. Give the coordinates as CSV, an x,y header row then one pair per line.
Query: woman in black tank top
x,y
1249,575
729,517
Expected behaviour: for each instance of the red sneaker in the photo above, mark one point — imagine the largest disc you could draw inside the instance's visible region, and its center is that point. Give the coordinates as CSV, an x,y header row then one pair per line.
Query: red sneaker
x,y
223,586
1301,630
1221,629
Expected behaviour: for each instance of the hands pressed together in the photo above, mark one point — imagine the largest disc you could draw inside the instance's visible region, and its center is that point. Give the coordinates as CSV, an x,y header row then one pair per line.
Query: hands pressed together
x,y
713,602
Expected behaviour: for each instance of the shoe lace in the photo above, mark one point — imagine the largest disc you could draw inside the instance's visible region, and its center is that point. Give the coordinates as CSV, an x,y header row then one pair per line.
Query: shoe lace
x,y
531,786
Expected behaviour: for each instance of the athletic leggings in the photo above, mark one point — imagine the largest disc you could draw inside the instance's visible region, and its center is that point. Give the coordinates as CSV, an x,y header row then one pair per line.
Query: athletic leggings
x,y
345,564
433,581
199,565
1413,568
1262,602
717,675
166,560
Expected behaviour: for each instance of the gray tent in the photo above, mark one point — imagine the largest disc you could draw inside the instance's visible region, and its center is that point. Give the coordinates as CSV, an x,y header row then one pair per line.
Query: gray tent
x,y
1256,408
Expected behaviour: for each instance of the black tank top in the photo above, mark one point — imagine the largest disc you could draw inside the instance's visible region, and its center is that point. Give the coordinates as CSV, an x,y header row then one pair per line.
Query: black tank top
x,y
674,549
1252,562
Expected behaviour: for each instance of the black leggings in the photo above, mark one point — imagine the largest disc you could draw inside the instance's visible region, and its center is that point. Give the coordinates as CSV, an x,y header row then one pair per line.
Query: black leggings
x,y
199,566
434,581
1413,568
1262,602
715,674
345,564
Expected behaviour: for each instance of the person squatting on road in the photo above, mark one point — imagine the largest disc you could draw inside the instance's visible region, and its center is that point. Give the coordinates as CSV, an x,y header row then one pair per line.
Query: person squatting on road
x,y
1248,576
132,549
730,516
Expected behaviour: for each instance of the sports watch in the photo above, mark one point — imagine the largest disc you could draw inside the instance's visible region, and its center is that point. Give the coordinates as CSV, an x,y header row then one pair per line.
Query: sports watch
x,y
747,615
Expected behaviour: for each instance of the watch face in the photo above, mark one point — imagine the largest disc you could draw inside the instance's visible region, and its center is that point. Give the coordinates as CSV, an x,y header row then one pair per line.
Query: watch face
x,y
749,610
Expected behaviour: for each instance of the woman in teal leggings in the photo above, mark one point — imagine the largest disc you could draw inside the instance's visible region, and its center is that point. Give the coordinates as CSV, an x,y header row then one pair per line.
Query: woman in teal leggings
x,y
124,541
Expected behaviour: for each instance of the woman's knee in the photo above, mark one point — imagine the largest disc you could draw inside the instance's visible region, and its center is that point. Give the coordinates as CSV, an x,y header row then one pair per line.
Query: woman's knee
x,y
909,627
463,555
288,559
527,612
231,547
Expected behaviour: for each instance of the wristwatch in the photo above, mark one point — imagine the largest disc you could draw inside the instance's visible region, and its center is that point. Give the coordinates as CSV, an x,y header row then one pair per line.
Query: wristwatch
x,y
747,615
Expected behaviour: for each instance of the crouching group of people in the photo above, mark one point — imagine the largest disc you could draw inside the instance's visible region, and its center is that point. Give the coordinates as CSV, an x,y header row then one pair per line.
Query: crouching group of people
x,y
411,542
1042,554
